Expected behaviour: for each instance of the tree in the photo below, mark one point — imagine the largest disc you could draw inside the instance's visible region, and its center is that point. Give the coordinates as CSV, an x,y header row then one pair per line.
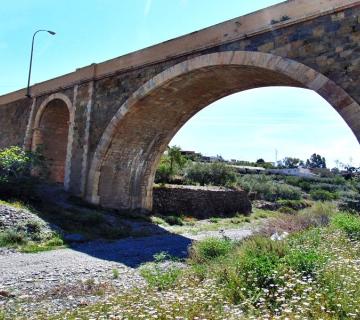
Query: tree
x,y
316,161
176,158
260,161
170,165
292,163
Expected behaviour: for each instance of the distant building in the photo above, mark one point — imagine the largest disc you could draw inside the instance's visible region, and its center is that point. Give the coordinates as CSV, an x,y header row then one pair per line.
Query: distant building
x,y
298,172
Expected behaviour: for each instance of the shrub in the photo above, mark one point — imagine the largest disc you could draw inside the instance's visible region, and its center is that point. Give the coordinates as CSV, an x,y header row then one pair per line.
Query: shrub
x,y
287,210
316,216
12,237
266,188
293,204
170,165
173,220
303,260
323,195
163,173
15,172
217,173
350,204
349,223
32,247
251,267
210,249
327,187
160,276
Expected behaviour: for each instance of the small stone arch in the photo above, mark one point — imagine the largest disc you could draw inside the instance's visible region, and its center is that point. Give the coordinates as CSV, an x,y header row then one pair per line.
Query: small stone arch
x,y
67,145
290,72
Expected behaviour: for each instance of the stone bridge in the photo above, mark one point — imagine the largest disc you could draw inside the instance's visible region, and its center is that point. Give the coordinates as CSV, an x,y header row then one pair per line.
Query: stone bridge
x,y
104,127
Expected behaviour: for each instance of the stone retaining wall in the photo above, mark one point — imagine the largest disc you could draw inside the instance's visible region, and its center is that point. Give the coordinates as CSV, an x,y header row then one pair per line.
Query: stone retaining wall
x,y
201,202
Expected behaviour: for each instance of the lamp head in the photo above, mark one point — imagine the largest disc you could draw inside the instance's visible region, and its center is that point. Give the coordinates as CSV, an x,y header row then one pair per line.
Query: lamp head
x,y
51,32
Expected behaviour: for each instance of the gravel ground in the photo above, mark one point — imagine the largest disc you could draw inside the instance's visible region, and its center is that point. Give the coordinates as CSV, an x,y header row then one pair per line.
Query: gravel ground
x,y
81,275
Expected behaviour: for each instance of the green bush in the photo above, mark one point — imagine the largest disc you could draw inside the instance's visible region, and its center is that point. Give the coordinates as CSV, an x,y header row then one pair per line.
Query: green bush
x,y
171,164
210,249
252,267
306,261
266,188
323,195
159,276
33,247
12,237
217,173
287,210
349,223
293,204
327,187
173,220
15,172
163,173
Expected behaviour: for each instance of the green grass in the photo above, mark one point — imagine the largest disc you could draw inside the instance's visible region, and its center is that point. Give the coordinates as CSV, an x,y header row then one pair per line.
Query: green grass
x,y
348,223
115,273
12,238
19,239
32,247
159,276
210,249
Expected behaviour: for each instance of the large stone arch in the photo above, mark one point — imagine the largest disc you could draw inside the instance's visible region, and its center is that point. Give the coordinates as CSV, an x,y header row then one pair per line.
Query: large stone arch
x,y
62,101
124,163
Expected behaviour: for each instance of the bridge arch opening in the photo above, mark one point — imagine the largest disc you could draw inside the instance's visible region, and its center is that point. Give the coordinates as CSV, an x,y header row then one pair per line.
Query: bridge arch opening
x,y
124,164
50,137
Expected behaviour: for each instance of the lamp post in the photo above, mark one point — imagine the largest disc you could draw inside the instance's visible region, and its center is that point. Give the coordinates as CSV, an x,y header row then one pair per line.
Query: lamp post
x,y
31,56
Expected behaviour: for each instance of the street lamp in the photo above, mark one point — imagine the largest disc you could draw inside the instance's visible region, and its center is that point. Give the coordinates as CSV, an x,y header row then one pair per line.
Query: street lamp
x,y
31,56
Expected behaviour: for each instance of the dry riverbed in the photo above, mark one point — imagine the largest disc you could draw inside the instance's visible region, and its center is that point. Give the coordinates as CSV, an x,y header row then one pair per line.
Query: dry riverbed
x,y
93,271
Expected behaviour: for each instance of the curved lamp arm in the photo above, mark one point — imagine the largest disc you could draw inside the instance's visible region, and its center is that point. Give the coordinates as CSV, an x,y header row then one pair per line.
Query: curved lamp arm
x,y
31,57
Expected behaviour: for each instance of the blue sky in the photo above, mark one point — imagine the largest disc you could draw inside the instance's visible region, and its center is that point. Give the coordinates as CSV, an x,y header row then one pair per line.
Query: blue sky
x,y
248,125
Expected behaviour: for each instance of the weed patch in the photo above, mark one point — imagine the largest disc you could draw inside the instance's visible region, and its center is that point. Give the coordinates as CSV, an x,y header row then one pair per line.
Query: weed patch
x,y
160,274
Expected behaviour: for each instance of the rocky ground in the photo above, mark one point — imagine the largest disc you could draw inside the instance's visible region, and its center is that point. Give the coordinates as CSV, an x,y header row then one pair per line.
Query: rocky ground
x,y
84,273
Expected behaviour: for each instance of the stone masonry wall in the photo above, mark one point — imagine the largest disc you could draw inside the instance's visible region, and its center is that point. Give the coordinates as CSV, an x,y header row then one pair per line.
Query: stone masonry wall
x,y
13,121
201,202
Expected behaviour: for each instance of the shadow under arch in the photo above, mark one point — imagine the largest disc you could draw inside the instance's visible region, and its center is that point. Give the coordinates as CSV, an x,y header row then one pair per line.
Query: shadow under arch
x,y
62,117
122,169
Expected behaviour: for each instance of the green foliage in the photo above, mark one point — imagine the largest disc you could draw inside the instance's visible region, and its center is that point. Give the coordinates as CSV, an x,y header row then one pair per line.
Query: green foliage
x,y
349,223
33,247
15,172
304,185
210,249
160,276
267,189
176,158
12,237
217,173
170,165
293,204
163,173
173,220
303,260
258,257
29,242
323,195
291,163
316,161
115,273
